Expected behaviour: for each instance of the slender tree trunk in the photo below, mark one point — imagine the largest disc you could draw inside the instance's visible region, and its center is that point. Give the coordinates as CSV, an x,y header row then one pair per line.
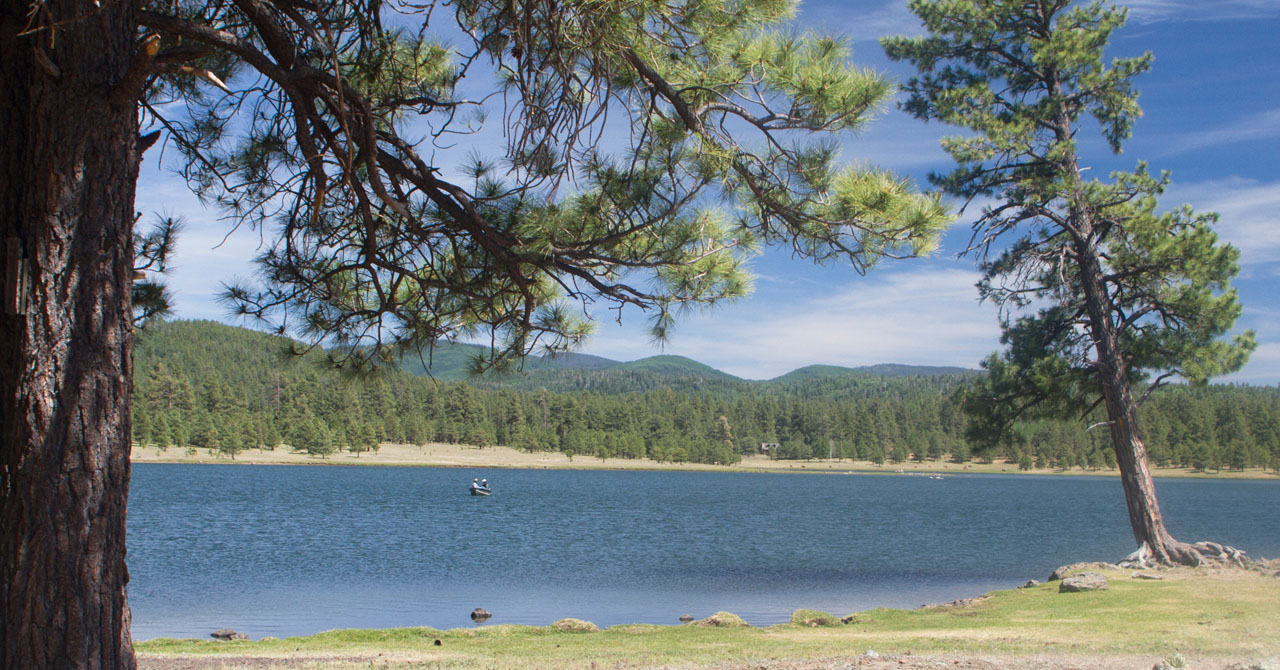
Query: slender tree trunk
x,y
1155,543
1135,474
68,167
1145,520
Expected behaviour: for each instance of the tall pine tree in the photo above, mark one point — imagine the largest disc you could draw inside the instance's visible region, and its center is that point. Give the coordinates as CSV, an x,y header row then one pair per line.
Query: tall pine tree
x,y
1099,290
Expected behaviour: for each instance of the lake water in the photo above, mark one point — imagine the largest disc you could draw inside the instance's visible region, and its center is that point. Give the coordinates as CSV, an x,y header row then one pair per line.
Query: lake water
x,y
281,550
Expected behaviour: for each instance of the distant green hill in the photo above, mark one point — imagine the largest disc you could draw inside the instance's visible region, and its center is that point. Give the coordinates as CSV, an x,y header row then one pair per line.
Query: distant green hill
x,y
582,372
676,365
897,370
193,341
452,361
881,370
657,372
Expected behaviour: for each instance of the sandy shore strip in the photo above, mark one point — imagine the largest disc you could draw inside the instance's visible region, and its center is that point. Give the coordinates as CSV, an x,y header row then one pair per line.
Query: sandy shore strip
x,y
460,456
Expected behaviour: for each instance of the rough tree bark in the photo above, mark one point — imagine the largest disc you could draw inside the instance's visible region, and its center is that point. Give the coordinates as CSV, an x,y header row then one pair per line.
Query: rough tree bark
x,y
68,165
1155,543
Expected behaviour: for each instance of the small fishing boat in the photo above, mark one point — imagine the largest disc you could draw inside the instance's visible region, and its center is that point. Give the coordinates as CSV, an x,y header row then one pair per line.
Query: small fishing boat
x,y
480,492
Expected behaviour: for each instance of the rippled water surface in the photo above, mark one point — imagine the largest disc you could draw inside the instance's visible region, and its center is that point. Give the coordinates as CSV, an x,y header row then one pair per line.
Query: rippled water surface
x,y
283,550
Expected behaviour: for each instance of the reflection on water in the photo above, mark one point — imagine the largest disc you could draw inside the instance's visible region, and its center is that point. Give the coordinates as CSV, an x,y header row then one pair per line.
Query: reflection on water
x,y
291,550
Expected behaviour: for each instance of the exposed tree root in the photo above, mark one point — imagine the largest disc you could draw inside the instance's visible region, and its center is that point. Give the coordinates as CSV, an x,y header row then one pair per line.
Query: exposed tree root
x,y
1177,553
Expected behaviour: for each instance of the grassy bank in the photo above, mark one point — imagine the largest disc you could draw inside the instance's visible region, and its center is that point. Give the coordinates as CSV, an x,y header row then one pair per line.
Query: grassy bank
x,y
452,455
1201,618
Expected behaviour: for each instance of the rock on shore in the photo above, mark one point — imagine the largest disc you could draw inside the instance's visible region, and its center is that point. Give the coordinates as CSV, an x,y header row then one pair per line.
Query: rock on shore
x,y
1085,581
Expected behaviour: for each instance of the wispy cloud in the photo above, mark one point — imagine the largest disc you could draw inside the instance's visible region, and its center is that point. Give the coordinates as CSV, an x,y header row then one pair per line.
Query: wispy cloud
x,y
208,254
1262,316
863,22
1263,368
898,142
1249,210
1153,11
926,317
1255,127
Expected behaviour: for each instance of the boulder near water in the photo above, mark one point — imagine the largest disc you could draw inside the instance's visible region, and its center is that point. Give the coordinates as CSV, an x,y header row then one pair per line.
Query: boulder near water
x,y
1085,581
1075,567
227,634
480,615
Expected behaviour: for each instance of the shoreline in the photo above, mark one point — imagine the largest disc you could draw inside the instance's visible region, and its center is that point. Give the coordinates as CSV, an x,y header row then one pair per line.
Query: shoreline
x,y
438,455
1216,618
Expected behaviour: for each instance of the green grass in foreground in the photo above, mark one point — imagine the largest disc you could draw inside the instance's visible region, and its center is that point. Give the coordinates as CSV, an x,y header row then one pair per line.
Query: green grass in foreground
x,y
1223,614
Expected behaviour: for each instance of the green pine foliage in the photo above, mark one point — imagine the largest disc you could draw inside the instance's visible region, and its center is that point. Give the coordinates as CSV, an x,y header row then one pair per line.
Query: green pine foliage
x,y
1098,288
213,386
649,150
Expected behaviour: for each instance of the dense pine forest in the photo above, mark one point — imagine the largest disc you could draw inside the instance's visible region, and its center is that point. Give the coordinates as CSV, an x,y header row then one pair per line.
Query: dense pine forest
x,y
204,385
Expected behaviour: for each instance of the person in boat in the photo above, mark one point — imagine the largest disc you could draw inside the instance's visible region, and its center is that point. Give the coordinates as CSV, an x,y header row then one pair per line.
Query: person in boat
x,y
475,484
484,484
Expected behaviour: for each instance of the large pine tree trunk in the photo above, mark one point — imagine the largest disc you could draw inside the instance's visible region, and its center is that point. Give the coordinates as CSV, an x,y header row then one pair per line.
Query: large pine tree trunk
x,y
68,166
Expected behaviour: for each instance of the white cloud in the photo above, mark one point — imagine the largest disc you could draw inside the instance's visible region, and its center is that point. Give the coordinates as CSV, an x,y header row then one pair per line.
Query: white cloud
x,y
207,262
899,143
1153,11
925,317
1249,209
863,22
1263,368
1255,127
208,252
1263,318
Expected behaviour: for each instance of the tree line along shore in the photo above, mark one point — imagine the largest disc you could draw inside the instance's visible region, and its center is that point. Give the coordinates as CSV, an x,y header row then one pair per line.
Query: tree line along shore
x,y
220,390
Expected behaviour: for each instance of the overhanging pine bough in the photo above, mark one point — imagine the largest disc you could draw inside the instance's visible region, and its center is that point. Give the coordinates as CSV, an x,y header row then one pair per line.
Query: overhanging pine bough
x,y
1097,290
377,247
314,122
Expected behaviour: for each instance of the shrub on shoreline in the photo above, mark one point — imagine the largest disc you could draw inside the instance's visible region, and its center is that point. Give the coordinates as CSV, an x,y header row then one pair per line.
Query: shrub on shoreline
x,y
814,619
575,626
723,620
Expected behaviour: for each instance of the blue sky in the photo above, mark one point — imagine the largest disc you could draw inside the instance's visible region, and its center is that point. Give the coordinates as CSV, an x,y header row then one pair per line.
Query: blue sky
x,y
1212,117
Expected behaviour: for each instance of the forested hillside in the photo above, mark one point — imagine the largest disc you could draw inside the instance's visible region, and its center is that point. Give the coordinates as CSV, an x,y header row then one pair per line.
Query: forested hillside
x,y
207,385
